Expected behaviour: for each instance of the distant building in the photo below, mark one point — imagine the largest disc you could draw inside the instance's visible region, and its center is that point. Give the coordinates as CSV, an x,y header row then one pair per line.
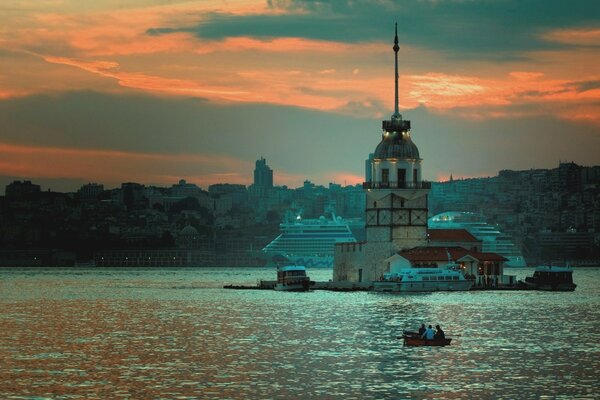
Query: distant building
x,y
263,178
238,193
183,189
132,195
18,189
90,192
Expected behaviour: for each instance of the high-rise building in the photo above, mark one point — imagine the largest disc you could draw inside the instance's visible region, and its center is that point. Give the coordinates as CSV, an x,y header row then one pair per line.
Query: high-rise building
x,y
263,177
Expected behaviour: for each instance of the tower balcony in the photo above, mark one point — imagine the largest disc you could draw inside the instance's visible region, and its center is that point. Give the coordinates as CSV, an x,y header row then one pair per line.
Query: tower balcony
x,y
397,185
395,125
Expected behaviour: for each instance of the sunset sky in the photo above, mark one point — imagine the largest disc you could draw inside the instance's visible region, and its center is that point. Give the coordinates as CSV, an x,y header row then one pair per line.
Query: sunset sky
x,y
152,91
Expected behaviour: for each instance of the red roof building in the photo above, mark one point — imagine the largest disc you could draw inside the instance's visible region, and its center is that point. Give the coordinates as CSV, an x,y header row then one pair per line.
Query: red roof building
x,y
452,238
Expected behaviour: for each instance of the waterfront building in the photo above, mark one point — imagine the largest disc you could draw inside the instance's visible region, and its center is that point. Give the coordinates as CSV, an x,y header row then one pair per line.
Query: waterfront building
x,y
453,238
492,239
486,269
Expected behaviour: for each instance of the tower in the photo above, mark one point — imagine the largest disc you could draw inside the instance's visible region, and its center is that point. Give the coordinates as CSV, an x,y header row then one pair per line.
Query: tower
x,y
396,196
263,178
396,202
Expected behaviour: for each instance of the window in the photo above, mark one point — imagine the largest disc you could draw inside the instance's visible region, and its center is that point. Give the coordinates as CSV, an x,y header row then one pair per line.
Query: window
x,y
415,175
401,177
385,176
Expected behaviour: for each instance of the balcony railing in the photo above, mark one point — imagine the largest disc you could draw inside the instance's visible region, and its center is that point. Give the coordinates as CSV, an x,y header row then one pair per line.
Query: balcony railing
x,y
395,125
397,185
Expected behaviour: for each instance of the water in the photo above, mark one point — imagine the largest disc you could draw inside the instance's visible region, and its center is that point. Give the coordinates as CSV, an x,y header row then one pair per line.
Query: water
x,y
176,334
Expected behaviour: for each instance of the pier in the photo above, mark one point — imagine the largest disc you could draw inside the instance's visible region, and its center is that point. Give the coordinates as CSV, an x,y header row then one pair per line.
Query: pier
x,y
344,286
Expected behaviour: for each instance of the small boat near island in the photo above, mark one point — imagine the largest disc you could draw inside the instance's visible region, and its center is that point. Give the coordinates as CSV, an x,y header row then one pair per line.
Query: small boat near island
x,y
414,339
292,278
448,278
551,278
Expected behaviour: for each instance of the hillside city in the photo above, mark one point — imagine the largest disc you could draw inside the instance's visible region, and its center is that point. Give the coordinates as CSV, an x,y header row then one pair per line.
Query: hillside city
x,y
551,214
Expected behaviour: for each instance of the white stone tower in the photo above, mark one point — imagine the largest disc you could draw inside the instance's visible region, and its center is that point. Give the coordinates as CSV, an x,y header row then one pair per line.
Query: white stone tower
x,y
396,196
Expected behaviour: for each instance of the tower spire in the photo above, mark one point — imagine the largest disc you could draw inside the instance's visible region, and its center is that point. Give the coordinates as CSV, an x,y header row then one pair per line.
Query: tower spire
x,y
396,123
396,48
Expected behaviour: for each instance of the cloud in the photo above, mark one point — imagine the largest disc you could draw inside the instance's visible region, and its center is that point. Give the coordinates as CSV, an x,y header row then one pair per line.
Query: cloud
x,y
109,69
578,37
500,30
114,166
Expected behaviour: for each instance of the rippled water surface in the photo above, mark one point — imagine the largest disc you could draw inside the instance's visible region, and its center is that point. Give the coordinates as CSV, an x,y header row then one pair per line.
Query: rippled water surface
x,y
176,334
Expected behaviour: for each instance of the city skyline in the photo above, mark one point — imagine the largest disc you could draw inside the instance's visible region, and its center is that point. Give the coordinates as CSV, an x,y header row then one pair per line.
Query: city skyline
x,y
157,91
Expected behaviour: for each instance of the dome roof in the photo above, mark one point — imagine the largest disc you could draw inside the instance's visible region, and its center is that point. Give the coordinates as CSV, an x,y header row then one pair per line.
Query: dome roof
x,y
396,145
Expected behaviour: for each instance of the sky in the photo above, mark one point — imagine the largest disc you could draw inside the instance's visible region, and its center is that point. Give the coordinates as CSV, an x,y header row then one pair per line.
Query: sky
x,y
153,91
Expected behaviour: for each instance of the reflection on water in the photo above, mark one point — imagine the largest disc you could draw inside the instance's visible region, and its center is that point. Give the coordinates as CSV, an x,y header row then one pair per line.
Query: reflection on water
x,y
110,333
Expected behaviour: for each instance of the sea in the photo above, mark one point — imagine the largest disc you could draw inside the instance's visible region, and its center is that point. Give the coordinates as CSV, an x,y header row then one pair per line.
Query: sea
x,y
176,333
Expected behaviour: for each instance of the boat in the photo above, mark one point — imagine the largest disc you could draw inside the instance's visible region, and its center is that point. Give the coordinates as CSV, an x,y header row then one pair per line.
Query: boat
x,y
493,240
414,339
552,278
308,242
424,279
292,278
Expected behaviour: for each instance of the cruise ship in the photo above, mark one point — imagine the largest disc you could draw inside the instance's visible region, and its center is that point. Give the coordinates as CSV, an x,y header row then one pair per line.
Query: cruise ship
x,y
308,242
493,240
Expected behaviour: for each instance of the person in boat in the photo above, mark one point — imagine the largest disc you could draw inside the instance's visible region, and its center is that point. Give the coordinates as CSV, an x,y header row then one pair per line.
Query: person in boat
x,y
429,333
422,330
439,333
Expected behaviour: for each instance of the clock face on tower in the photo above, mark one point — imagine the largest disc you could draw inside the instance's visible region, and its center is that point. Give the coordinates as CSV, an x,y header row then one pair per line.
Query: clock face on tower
x,y
385,217
418,217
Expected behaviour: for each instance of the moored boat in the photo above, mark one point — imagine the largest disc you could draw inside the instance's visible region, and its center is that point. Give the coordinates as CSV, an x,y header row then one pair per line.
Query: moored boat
x,y
292,278
448,278
551,278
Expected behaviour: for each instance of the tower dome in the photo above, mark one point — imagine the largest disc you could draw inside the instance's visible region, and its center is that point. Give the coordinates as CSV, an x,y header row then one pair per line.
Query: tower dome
x,y
396,145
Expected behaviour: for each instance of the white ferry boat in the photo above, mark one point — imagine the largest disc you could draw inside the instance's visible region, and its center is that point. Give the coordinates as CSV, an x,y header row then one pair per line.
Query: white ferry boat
x,y
308,242
493,240
448,278
292,278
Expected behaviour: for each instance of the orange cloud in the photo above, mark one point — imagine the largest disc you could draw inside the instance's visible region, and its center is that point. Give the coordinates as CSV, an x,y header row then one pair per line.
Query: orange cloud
x,y
345,178
111,69
114,167
581,37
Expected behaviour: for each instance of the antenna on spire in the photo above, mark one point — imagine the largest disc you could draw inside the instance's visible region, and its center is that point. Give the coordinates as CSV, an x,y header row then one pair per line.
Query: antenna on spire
x,y
396,48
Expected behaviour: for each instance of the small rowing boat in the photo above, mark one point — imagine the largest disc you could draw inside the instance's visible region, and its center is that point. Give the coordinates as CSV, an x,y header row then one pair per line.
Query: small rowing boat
x,y
414,339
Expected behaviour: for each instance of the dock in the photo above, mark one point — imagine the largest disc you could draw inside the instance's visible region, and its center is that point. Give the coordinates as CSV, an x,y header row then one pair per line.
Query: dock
x,y
332,286
344,286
